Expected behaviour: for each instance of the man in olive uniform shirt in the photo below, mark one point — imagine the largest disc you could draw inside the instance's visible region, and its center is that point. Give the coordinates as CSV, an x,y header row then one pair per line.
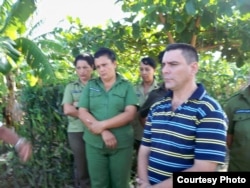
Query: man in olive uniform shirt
x,y
238,134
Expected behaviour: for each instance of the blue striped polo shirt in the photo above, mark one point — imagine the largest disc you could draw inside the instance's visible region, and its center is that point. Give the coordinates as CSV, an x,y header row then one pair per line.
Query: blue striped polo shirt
x,y
195,130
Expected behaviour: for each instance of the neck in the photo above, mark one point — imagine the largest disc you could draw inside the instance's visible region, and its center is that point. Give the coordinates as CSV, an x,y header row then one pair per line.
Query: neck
x,y
147,83
83,81
109,83
182,95
146,86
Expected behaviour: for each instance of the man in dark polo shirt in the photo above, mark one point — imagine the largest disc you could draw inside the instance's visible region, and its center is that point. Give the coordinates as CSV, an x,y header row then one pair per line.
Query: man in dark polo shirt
x,y
186,129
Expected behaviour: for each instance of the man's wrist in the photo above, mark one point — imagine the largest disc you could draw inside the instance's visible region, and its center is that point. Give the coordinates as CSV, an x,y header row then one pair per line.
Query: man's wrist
x,y
140,182
19,143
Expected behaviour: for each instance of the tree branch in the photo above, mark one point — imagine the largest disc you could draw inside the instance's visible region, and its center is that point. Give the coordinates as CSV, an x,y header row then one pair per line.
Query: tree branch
x,y
194,37
163,21
170,38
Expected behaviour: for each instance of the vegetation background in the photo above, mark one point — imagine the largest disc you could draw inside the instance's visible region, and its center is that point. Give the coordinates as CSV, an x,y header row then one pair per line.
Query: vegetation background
x,y
34,70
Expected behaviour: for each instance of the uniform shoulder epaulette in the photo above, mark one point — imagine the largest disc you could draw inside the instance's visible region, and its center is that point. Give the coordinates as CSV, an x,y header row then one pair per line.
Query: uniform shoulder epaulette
x,y
72,82
234,95
93,81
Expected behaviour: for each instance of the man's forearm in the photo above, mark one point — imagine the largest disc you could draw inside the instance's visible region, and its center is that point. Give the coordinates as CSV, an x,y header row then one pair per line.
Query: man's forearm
x,y
143,156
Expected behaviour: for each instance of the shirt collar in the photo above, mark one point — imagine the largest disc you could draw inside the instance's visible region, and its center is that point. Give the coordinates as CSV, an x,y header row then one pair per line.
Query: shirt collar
x,y
78,82
119,78
245,93
199,93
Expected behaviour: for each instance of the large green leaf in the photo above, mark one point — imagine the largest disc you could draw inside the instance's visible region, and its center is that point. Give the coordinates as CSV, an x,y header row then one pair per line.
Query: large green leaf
x,y
190,7
7,53
35,58
5,66
17,17
7,46
136,30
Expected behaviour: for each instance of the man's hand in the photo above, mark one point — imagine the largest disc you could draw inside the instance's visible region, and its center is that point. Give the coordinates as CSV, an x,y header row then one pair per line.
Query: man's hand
x,y
24,149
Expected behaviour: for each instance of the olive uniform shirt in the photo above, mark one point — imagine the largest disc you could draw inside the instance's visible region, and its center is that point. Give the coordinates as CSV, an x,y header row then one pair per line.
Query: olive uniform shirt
x,y
104,105
72,94
238,112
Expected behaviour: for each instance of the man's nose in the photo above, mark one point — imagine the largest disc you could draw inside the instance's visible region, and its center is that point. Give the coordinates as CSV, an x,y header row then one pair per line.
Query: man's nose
x,y
165,68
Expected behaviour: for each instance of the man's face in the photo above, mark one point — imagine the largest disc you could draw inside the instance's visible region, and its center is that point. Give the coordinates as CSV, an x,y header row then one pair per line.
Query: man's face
x,y
176,72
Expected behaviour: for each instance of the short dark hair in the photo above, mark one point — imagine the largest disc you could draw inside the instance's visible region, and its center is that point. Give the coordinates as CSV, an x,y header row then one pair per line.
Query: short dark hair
x,y
86,57
105,51
149,61
188,51
160,56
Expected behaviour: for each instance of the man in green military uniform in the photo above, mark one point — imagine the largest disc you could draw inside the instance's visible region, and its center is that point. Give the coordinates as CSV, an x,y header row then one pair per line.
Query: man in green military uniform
x,y
238,134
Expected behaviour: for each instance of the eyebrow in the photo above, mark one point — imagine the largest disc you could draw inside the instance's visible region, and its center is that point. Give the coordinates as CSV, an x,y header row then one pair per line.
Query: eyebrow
x,y
170,62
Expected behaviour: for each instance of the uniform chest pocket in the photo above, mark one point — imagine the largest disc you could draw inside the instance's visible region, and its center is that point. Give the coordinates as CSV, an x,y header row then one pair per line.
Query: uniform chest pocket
x,y
118,100
97,99
95,94
76,95
241,117
242,125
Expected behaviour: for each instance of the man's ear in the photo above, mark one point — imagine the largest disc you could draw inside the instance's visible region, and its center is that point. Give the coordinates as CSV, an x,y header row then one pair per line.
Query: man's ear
x,y
115,63
194,67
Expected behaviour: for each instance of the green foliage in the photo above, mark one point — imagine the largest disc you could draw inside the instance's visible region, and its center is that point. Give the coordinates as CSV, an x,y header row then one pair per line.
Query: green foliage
x,y
220,78
37,60
209,25
120,38
15,50
17,14
7,53
45,126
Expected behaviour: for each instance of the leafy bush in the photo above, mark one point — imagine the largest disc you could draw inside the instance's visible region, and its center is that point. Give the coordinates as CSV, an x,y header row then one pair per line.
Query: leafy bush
x,y
220,78
45,126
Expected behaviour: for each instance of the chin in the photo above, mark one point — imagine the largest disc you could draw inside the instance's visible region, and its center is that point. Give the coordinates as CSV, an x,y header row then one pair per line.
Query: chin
x,y
169,86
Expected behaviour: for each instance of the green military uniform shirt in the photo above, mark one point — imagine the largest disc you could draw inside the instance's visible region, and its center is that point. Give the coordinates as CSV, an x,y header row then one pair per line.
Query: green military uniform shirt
x,y
238,112
104,105
72,94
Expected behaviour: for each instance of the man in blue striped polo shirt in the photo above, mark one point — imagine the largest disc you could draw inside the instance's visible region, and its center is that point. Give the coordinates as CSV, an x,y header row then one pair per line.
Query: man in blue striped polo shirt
x,y
186,130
